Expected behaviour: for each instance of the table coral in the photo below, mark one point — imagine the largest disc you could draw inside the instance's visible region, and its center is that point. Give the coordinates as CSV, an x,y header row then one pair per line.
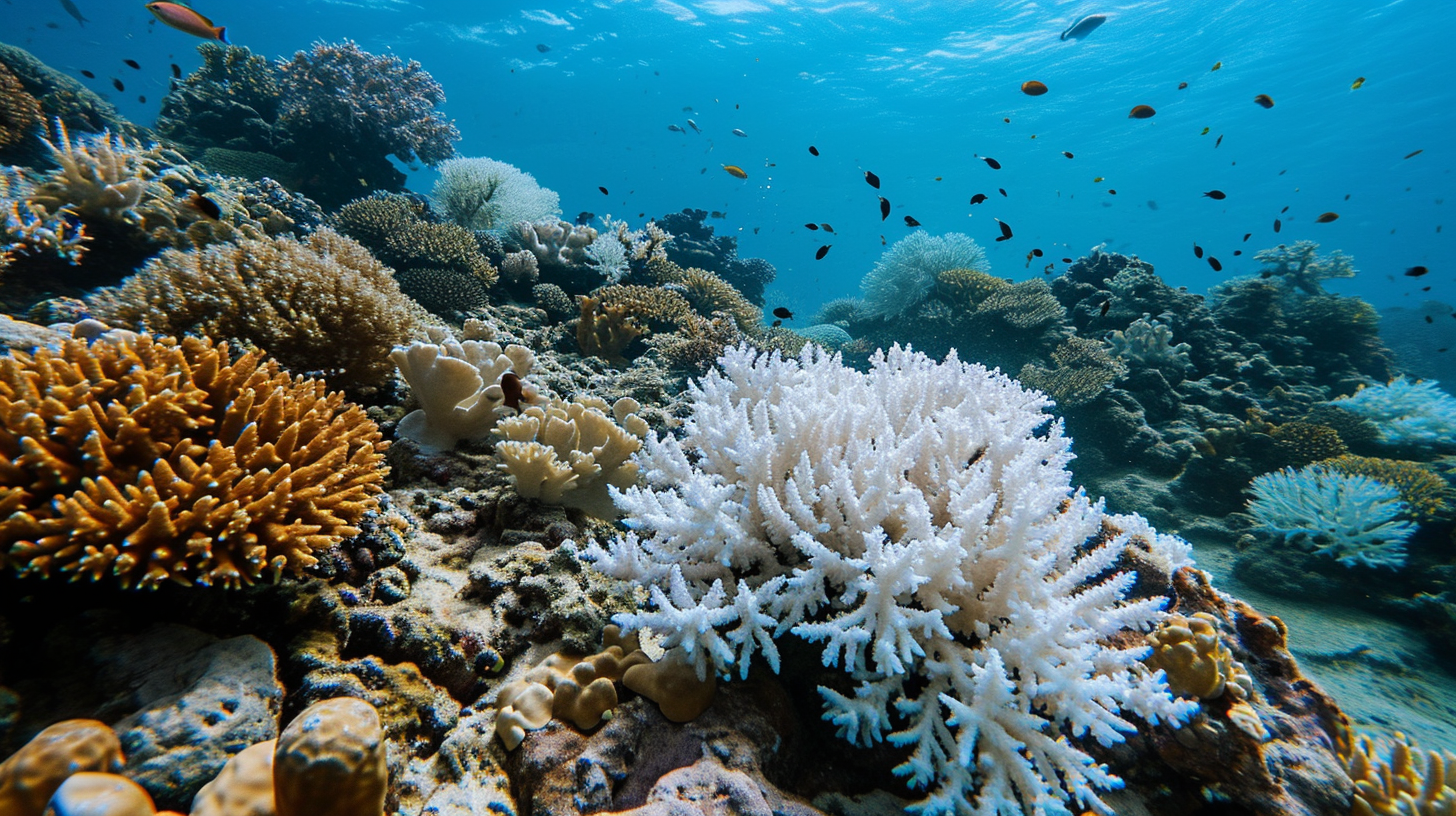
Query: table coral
x,y
917,522
151,460
320,304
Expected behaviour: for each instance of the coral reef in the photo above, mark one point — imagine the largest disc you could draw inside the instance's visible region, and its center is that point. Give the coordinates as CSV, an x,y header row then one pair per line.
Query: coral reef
x,y
1082,371
21,119
1351,518
580,689
928,578
150,460
1301,268
571,452
605,330
323,304
485,194
229,103
461,388
1422,490
1197,663
330,761
1149,343
907,272
60,98
1417,414
695,245
1389,779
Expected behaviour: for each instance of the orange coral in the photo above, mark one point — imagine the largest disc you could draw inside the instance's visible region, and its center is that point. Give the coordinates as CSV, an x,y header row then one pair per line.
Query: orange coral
x,y
153,460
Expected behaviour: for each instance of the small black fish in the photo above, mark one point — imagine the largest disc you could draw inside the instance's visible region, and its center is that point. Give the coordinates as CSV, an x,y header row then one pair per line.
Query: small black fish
x,y
1216,195
1197,251
1112,192
826,227
1277,225
1038,253
911,222
777,323
874,180
978,198
781,312
1238,252
824,250
585,217
1065,153
990,162
1429,319
1106,304
1246,236
811,226
53,25
884,208
1416,271
204,205
117,84
717,214
88,75
813,151
1218,141
604,191
1347,196
1325,218
1066,260
133,63
142,99
1002,191
1213,262
176,71
542,47
1005,230
1152,205
1285,210
1415,153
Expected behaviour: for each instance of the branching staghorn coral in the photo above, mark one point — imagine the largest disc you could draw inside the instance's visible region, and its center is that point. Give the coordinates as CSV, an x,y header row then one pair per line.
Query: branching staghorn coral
x,y
1300,267
322,304
146,460
918,524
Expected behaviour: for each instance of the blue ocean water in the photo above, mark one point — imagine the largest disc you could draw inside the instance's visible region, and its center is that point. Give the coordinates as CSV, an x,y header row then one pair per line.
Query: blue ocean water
x,y
913,92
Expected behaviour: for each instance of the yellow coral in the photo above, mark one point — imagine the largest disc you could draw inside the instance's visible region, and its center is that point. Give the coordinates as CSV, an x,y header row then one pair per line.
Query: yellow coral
x,y
99,178
968,287
322,304
708,293
1389,779
570,452
151,460
393,227
1083,370
652,303
1422,490
1300,443
1197,664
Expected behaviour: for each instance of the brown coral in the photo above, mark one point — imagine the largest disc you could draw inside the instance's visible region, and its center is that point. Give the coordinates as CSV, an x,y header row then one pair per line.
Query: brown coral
x,y
393,227
605,331
1422,490
322,304
152,460
31,775
1300,443
1082,371
708,293
20,113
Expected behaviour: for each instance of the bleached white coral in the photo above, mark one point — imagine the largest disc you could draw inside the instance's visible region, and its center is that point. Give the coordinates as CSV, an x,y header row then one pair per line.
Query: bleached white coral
x,y
1407,413
1150,343
485,194
904,276
1353,519
918,521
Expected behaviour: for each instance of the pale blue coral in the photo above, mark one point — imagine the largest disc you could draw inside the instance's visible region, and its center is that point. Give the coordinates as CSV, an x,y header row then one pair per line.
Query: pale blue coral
x,y
1407,413
485,194
1353,519
904,276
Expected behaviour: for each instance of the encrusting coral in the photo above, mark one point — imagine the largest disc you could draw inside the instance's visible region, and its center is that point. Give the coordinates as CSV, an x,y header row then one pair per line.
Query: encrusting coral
x,y
461,388
150,460
571,452
917,521
321,304
580,689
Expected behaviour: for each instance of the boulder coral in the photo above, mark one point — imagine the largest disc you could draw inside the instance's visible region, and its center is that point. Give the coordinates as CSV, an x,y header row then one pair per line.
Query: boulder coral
x,y
147,460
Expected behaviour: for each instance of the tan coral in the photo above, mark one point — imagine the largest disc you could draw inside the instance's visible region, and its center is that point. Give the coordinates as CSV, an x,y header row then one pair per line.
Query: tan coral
x,y
459,388
149,460
605,331
32,775
321,304
330,761
100,794
244,786
1393,777
571,452
1196,661
708,293
1082,370
1422,490
20,113
576,688
674,685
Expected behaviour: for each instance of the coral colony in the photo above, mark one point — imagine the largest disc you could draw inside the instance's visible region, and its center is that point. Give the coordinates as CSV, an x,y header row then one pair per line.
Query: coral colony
x,y
322,497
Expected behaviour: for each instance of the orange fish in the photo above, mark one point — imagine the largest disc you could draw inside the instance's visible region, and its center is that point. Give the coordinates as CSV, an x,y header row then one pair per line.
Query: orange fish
x,y
735,171
1033,88
1142,112
185,19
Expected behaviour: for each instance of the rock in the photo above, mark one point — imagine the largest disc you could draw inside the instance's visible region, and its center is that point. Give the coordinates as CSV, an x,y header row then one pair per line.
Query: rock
x,y
199,701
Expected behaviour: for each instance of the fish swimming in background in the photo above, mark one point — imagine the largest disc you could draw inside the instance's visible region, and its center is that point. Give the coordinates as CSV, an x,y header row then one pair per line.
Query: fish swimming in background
x,y
585,217
1005,230
1264,101
1216,195
872,180
884,208
783,313
1067,154
1213,262
1218,141
542,47
1197,251
990,162
1106,304
604,191
911,222
1277,225
676,129
717,214
1416,271
176,71
131,63
824,250
1217,65
71,9
1182,85
1414,153
694,126
734,170
1141,112
737,132
811,226
978,198
813,151
1325,218
1084,26
87,74
1033,88
188,21
1357,83
118,84
826,228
